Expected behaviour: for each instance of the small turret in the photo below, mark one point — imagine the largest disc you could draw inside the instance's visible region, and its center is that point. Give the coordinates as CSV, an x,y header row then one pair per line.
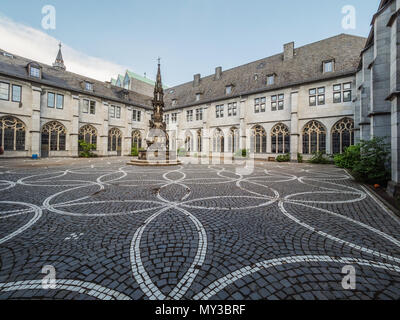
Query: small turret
x,y
59,63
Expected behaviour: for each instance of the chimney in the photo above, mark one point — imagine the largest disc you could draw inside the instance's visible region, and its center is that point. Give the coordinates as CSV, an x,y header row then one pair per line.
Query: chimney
x,y
218,73
196,81
288,51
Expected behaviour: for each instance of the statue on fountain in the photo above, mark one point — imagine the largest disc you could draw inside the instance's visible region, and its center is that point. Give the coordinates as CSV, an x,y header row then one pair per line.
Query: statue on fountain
x,y
157,140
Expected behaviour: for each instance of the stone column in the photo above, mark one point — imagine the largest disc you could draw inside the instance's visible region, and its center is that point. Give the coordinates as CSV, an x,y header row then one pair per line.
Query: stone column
x,y
294,129
243,125
103,138
73,137
35,122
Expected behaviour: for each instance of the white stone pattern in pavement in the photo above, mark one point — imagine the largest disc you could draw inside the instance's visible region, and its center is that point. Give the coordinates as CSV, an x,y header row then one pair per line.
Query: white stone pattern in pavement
x,y
307,217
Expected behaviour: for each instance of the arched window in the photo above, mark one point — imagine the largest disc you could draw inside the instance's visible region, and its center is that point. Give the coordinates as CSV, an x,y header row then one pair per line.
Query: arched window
x,y
342,135
199,141
188,144
233,140
114,139
53,136
259,140
88,134
314,138
219,141
12,134
137,139
280,139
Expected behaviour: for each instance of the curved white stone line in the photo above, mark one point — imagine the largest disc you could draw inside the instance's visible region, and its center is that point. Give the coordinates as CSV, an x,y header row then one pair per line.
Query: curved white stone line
x,y
185,204
335,239
36,217
222,283
83,287
181,288
382,234
138,270
10,184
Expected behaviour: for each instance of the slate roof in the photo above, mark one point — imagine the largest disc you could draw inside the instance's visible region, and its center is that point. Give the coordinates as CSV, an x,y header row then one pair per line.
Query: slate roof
x,y
17,67
306,66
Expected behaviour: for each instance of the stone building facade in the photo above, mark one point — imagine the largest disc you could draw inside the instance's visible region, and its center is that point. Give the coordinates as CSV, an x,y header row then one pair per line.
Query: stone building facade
x,y
377,105
298,101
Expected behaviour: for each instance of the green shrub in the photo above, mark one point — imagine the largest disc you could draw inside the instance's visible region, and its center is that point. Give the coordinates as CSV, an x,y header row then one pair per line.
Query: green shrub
x,y
349,158
181,152
283,158
86,149
241,153
320,158
299,158
135,151
374,164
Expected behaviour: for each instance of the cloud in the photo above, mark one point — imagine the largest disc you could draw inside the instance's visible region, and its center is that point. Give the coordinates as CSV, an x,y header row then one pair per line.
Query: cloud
x,y
37,45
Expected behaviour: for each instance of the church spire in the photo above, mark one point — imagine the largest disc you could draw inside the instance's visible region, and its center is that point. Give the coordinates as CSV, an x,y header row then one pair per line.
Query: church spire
x,y
59,63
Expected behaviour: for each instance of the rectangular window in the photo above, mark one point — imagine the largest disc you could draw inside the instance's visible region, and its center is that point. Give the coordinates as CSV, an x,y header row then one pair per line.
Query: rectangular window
x,y
232,109
189,115
347,86
51,100
337,97
199,114
174,102
346,96
198,97
337,87
92,107
321,96
219,111
228,89
16,93
174,117
166,118
328,66
270,80
60,101
118,112
313,97
88,86
4,91
112,111
136,115
34,72
85,106
277,102
259,104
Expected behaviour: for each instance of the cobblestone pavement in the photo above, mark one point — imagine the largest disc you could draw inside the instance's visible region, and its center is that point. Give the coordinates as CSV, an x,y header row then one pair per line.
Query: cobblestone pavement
x,y
113,231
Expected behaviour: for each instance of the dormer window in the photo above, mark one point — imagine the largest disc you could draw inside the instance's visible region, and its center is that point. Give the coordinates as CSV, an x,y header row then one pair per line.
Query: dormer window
x,y
88,86
270,80
174,102
228,90
34,71
328,66
198,96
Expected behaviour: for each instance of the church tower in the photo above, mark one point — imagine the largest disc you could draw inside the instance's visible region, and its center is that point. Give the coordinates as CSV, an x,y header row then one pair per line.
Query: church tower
x,y
59,63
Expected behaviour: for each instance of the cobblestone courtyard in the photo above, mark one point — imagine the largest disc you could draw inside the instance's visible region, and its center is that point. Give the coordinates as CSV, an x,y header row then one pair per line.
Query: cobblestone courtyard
x,y
113,231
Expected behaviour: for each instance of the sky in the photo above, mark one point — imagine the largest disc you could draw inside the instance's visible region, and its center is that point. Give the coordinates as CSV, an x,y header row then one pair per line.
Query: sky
x,y
103,38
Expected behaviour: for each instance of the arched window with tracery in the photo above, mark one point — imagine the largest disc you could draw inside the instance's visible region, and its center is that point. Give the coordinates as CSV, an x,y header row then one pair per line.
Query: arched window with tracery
x,y
12,134
314,138
54,136
233,140
259,140
88,134
342,135
137,139
114,140
280,139
199,141
219,141
188,144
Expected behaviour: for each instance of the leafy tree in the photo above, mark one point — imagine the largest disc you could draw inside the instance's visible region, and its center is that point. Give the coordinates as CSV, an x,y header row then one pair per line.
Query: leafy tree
x,y
86,149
